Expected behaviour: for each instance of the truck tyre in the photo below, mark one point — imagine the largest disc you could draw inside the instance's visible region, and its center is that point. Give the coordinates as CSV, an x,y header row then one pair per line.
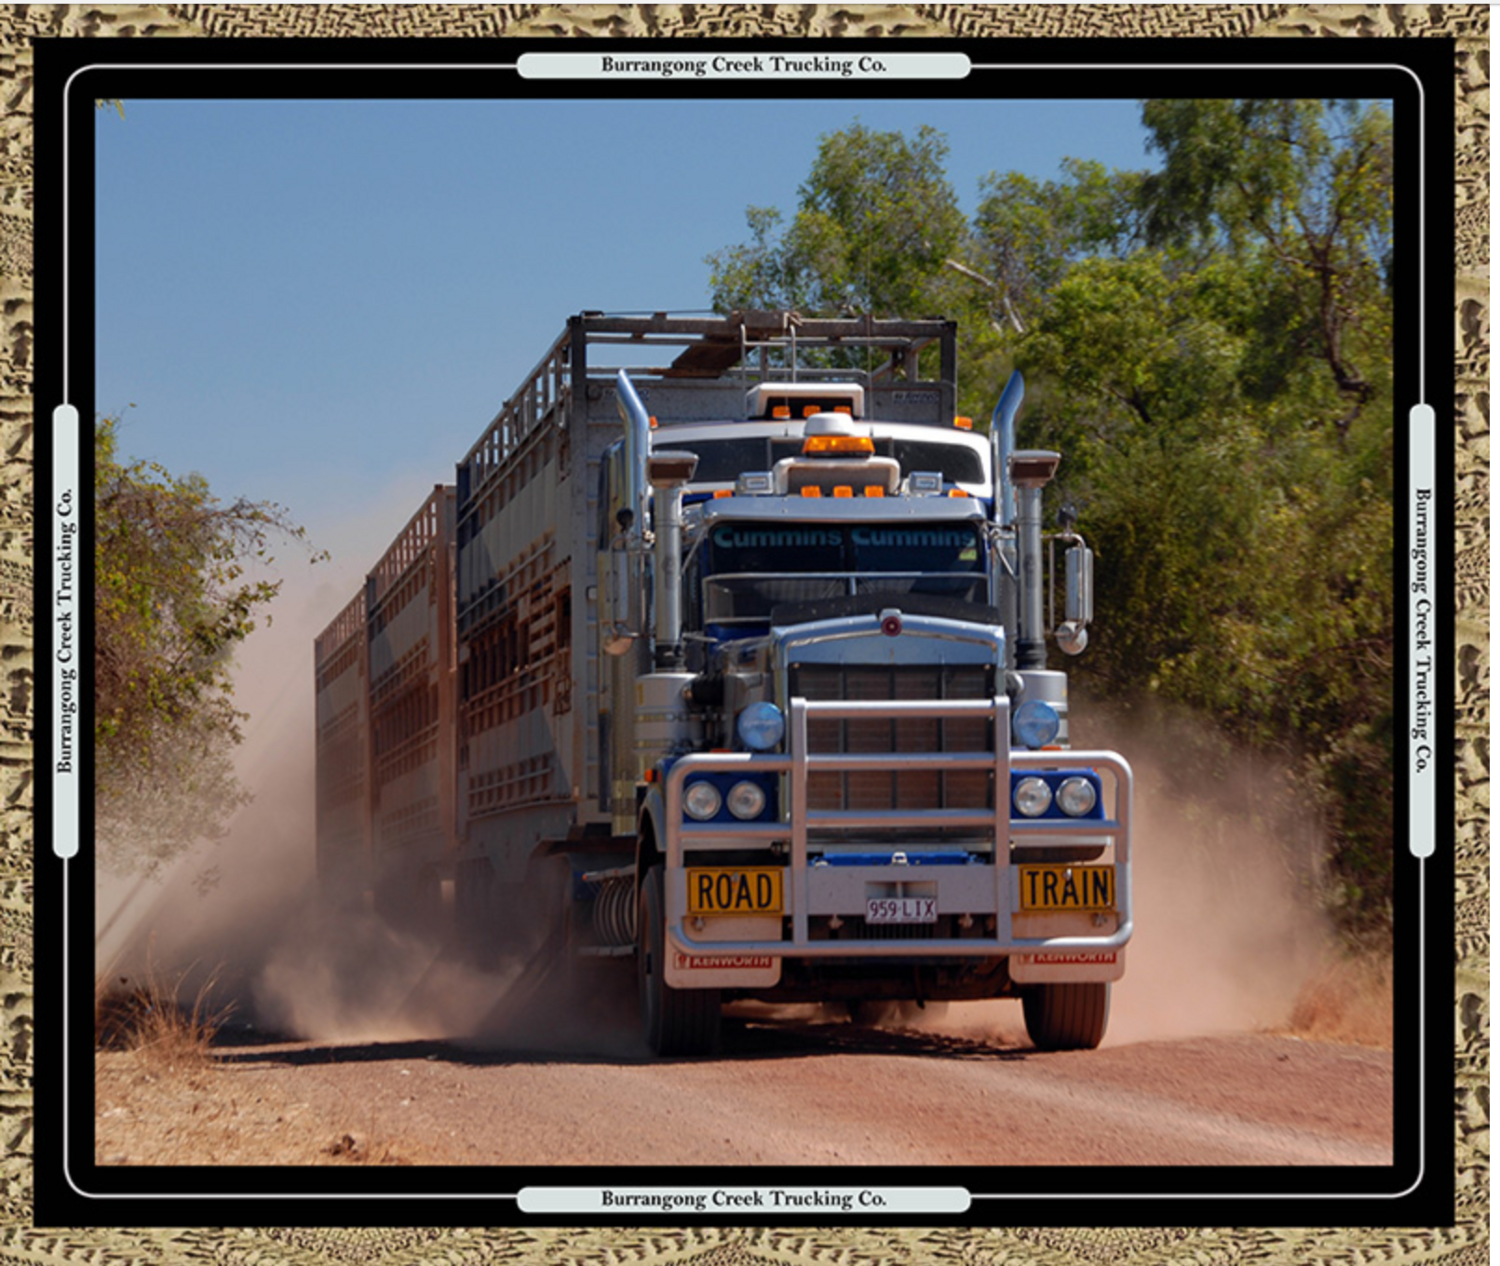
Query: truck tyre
x,y
1066,1017
550,885
676,1021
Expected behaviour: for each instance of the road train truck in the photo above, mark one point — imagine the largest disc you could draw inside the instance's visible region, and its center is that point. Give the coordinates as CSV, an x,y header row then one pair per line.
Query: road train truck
x,y
723,660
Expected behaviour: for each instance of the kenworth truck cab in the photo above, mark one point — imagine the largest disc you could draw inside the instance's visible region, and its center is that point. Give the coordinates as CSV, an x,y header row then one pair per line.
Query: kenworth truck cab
x,y
734,669
852,763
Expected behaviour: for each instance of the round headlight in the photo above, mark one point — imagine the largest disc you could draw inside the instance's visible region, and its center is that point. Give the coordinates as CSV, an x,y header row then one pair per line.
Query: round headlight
x,y
1032,797
1035,723
746,800
1077,797
760,726
701,800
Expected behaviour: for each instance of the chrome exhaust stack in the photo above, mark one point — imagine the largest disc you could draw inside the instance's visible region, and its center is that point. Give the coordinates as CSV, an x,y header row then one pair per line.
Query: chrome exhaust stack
x,y
1002,444
667,473
1030,471
625,604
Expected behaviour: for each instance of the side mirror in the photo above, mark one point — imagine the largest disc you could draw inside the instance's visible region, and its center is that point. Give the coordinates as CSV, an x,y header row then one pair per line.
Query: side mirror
x,y
1079,564
1072,635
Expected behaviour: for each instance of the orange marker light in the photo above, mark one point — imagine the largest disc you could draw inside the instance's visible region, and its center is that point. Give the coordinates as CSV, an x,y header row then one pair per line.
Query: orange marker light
x,y
843,490
957,492
782,411
963,423
874,490
723,492
815,445
812,490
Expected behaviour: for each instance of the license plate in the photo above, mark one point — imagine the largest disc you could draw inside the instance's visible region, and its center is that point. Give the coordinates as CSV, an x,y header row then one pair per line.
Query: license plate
x,y
1067,887
901,910
728,890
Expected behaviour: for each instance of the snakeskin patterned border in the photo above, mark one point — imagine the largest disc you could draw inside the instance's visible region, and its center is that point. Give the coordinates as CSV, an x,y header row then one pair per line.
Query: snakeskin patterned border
x,y
1465,1244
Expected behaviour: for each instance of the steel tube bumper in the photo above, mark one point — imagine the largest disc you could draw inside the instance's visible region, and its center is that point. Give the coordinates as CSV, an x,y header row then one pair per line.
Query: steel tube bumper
x,y
681,833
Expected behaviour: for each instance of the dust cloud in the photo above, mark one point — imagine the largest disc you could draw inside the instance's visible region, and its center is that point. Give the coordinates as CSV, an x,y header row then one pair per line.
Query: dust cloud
x,y
240,923
1229,931
1229,935
1228,925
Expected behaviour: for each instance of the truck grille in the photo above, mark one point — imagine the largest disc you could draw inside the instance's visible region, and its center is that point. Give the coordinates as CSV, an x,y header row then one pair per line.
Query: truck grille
x,y
860,930
905,789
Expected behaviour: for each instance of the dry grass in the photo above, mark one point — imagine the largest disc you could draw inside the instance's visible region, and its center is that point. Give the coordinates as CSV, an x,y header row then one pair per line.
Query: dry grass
x,y
148,1016
1349,1000
152,1113
163,1098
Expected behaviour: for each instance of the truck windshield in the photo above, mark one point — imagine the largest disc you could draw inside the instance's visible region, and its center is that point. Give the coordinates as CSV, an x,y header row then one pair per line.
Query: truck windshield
x,y
746,569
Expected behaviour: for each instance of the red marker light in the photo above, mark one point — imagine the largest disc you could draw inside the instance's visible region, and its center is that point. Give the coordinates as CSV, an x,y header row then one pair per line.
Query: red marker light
x,y
890,625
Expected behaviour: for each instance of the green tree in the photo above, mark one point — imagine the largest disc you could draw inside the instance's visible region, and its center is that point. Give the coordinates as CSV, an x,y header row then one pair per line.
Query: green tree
x,y
1307,186
875,221
758,274
1028,233
1221,389
179,581
1209,346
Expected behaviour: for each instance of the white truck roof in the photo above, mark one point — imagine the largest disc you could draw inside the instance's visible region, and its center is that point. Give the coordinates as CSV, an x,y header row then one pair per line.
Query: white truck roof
x,y
914,443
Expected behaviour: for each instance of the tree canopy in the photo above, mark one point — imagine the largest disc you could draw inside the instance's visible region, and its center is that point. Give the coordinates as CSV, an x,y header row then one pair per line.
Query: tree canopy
x,y
179,582
875,220
1209,346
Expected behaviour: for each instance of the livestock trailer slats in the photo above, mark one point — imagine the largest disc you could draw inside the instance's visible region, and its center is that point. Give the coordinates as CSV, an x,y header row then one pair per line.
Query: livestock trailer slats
x,y
524,561
409,606
341,662
489,737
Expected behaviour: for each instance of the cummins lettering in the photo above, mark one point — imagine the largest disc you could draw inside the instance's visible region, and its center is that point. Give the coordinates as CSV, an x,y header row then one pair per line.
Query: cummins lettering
x,y
730,537
727,537
913,538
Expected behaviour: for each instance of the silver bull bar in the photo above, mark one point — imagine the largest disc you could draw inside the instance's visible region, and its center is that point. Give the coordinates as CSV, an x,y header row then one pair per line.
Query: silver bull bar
x,y
682,833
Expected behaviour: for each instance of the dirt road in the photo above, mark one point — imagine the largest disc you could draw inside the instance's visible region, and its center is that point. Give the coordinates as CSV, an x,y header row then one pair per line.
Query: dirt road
x,y
792,1088
1230,956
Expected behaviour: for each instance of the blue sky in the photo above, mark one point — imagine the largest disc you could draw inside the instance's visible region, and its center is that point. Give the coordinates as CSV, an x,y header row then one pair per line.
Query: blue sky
x,y
324,303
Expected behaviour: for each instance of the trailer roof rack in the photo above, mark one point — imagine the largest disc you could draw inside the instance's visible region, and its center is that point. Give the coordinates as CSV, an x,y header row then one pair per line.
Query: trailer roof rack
x,y
746,340
752,346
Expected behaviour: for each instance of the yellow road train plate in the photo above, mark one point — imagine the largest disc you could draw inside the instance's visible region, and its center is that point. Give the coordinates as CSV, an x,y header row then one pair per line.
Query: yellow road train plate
x,y
734,890
1067,887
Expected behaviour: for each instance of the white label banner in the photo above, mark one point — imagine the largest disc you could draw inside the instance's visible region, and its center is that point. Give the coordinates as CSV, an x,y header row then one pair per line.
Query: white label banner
x,y
69,679
1423,733
775,1200
624,64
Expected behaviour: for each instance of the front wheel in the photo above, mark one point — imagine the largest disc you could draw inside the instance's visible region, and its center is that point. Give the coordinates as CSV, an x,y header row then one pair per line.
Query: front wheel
x,y
1066,1017
676,1021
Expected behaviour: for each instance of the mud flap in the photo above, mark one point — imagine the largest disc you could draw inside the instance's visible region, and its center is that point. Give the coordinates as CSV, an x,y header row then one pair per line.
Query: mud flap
x,y
1067,965
721,971
701,968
